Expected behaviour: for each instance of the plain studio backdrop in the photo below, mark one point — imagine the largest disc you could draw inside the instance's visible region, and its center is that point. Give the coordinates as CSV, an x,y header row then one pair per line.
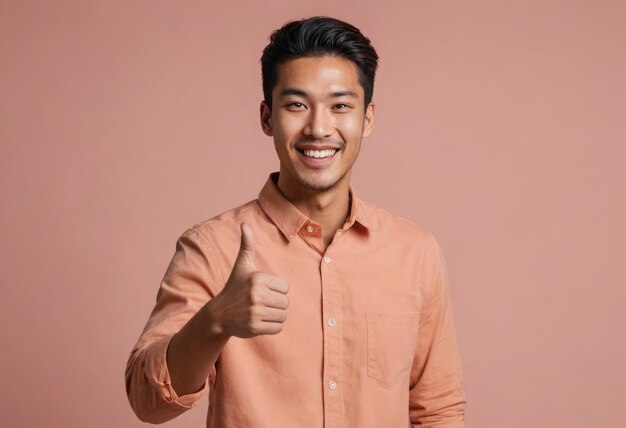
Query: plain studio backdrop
x,y
500,127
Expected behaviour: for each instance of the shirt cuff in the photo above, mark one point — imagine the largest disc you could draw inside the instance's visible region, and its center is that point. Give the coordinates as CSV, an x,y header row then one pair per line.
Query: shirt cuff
x,y
158,375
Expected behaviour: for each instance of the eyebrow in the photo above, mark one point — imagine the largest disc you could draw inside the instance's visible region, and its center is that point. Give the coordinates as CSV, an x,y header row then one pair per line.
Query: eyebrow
x,y
292,91
300,93
345,93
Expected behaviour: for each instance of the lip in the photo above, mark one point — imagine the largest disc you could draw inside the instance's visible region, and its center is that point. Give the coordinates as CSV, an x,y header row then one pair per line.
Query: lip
x,y
316,147
317,162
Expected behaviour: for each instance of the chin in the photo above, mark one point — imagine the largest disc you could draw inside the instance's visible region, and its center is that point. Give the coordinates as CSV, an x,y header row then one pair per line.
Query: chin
x,y
319,185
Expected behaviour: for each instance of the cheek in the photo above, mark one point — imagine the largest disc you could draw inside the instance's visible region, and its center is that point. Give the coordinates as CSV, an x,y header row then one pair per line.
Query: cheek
x,y
352,127
287,129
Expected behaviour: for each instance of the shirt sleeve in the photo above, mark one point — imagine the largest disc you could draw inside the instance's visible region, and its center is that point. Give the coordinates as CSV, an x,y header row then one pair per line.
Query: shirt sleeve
x,y
436,397
189,282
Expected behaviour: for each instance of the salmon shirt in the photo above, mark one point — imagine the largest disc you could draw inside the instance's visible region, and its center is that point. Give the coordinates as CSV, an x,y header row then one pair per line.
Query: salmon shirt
x,y
369,339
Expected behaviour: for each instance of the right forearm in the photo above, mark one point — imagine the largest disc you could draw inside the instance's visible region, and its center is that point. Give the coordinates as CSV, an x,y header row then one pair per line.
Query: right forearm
x,y
251,303
192,352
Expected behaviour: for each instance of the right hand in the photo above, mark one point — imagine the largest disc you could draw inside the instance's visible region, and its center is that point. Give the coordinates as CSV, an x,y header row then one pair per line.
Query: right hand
x,y
252,302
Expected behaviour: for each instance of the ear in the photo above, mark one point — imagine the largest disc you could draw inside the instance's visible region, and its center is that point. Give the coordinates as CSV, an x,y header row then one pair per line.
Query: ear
x,y
368,122
266,119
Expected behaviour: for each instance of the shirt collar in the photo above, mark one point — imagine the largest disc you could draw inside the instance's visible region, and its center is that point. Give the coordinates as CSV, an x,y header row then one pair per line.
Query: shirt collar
x,y
290,219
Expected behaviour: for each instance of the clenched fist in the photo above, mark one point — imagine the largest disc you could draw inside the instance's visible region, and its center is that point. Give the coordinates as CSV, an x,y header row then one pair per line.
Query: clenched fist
x,y
252,302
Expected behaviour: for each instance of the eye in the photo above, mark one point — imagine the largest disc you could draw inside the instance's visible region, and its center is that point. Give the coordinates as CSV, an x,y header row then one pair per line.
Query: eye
x,y
341,106
296,106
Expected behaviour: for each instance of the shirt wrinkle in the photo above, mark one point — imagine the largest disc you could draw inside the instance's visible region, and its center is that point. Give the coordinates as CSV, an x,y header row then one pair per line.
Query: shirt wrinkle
x,y
212,249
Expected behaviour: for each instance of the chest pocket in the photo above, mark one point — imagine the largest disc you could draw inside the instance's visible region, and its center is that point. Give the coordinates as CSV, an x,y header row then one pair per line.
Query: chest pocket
x,y
391,342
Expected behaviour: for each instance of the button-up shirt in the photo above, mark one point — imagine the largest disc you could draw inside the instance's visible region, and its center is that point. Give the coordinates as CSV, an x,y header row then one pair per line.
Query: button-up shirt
x,y
369,339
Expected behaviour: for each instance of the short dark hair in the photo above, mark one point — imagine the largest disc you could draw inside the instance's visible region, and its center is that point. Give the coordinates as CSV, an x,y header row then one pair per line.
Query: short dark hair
x,y
318,36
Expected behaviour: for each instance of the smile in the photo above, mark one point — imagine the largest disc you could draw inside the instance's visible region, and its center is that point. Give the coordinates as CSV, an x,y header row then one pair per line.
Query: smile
x,y
318,154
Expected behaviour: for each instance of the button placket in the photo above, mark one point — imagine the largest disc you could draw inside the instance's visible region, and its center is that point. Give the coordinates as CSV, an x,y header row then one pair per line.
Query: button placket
x,y
333,343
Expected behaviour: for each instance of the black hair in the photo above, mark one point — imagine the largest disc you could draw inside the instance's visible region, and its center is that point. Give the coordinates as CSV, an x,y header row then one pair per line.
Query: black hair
x,y
318,36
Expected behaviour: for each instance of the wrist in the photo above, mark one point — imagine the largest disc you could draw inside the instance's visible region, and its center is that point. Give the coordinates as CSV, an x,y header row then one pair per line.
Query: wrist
x,y
212,321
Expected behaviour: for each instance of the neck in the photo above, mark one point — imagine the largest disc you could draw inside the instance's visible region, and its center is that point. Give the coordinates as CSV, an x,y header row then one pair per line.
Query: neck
x,y
329,208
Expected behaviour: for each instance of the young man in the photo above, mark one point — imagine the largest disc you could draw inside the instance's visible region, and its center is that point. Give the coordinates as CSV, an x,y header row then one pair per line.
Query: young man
x,y
307,307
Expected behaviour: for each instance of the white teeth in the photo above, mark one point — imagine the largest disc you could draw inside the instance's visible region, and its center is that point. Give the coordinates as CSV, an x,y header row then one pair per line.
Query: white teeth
x,y
319,153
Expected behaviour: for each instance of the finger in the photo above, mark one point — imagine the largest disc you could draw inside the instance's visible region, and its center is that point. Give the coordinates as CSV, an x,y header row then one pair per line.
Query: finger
x,y
277,284
277,300
274,315
272,327
246,256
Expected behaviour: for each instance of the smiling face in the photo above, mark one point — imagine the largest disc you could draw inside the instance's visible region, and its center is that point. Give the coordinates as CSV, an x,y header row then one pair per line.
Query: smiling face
x,y
317,121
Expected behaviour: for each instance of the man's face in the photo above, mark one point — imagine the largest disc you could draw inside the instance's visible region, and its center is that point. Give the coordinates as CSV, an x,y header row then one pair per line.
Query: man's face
x,y
317,120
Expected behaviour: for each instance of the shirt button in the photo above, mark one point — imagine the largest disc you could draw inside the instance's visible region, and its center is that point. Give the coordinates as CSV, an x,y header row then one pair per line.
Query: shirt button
x,y
309,229
327,260
332,321
332,385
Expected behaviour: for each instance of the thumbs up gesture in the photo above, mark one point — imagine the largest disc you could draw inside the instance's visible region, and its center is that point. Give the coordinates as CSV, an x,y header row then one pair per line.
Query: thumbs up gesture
x,y
252,302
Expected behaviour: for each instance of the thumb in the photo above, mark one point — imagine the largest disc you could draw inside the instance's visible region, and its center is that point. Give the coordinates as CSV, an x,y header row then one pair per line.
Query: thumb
x,y
245,258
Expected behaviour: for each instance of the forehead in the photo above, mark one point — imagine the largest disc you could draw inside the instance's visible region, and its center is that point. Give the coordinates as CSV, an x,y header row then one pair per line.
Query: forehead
x,y
319,74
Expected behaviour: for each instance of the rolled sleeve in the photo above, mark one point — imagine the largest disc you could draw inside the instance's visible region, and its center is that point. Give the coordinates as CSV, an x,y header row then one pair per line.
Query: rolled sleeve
x,y
158,375
149,385
188,283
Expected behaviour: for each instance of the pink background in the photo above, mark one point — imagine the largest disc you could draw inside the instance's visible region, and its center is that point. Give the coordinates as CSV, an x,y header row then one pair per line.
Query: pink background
x,y
500,127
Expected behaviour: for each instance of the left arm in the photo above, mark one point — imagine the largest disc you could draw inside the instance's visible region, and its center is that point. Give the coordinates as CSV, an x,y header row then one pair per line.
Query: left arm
x,y
436,396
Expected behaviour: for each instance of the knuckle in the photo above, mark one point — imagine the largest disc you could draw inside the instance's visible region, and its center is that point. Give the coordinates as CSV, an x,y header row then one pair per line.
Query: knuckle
x,y
250,315
254,298
253,280
258,277
254,312
255,329
252,283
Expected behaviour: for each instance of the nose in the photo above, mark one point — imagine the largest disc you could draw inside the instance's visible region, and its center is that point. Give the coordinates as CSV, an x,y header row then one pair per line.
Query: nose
x,y
319,124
